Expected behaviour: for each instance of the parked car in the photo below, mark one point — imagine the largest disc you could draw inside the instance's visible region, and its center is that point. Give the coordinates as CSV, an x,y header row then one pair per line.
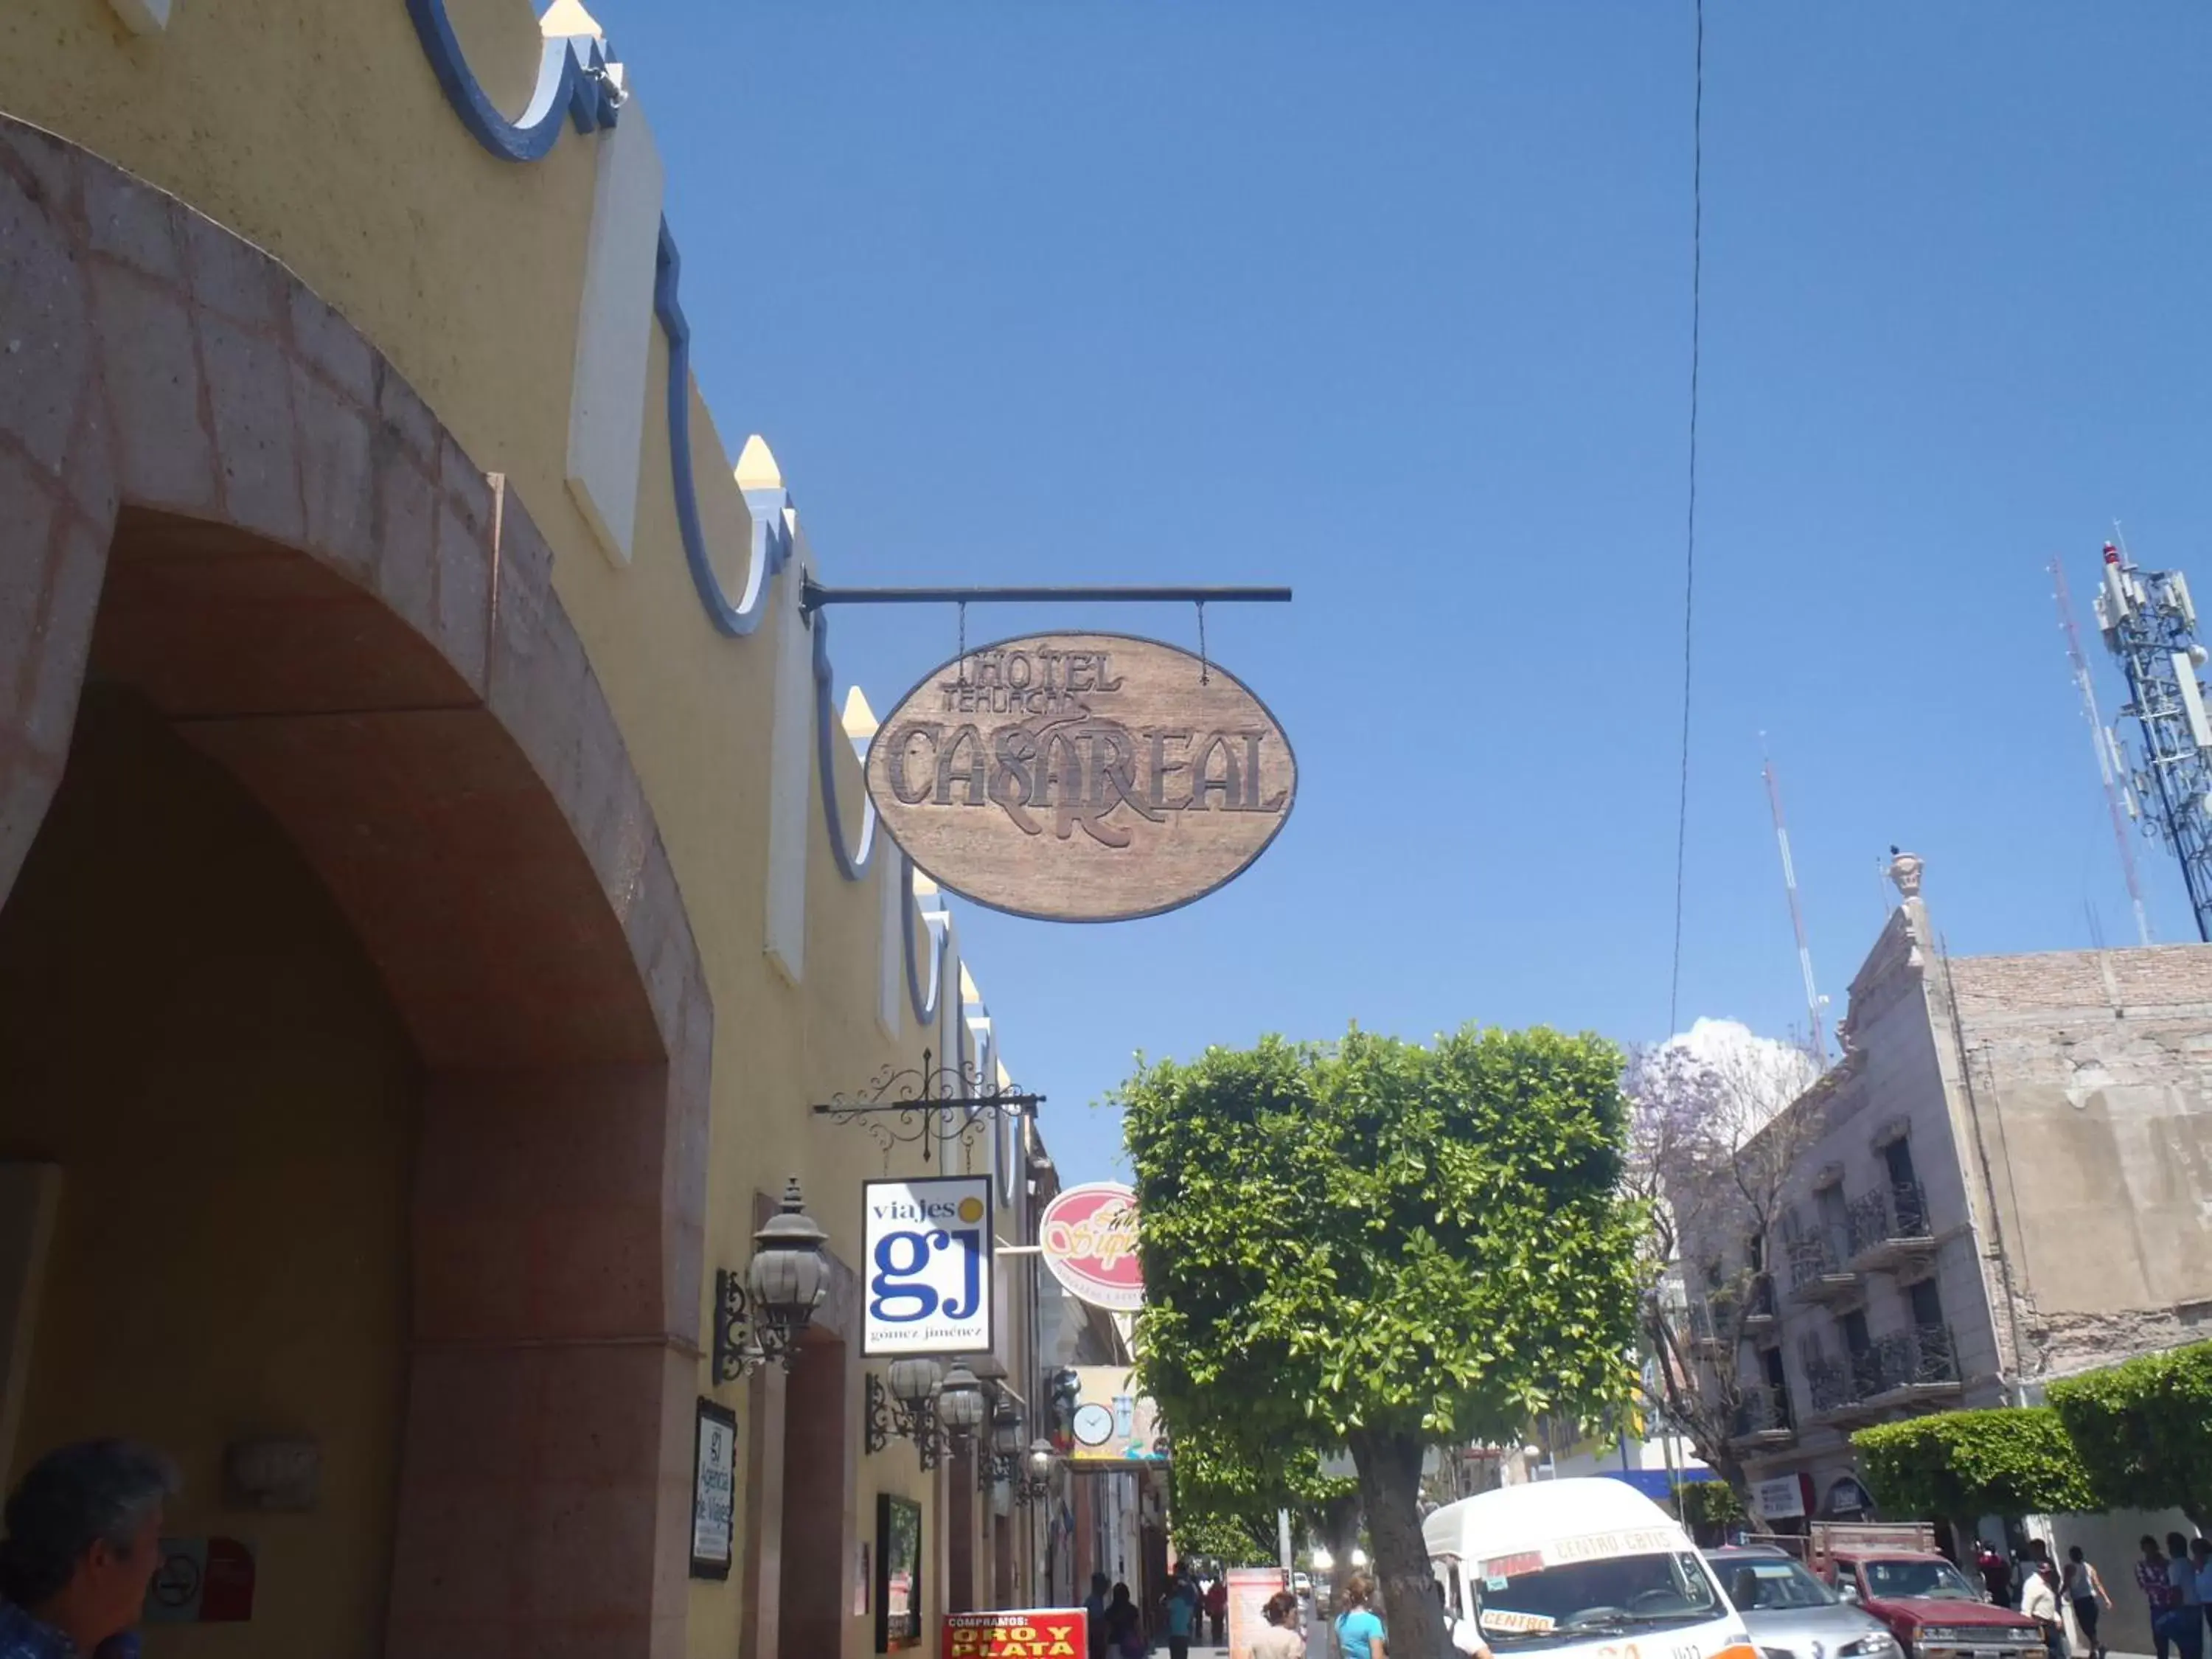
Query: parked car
x,y
1933,1608
1793,1616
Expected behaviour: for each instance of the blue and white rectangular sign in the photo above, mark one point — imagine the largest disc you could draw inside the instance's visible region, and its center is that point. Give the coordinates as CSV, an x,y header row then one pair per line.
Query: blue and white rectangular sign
x,y
927,1281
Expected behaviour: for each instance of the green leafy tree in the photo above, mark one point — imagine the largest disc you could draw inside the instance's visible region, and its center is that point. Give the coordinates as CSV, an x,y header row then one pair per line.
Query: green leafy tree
x,y
1959,1466
1227,1498
1385,1247
1708,1506
2143,1430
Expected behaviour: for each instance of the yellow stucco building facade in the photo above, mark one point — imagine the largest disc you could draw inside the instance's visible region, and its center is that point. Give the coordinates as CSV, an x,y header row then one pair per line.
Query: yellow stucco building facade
x,y
425,913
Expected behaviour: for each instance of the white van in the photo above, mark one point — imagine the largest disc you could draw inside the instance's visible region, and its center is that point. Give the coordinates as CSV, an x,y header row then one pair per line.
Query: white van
x,y
1581,1570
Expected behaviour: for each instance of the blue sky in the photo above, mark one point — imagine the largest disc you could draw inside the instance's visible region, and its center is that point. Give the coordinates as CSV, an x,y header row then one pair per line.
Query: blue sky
x,y
1392,304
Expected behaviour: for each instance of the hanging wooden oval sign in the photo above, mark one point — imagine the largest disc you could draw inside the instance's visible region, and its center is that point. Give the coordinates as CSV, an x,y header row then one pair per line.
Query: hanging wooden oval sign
x,y
1082,777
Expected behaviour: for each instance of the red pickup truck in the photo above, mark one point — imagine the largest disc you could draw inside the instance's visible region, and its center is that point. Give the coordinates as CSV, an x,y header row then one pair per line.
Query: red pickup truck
x,y
1933,1608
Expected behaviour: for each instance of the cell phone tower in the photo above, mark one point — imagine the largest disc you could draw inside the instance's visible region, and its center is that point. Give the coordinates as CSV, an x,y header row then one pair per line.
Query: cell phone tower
x,y
2112,766
2149,624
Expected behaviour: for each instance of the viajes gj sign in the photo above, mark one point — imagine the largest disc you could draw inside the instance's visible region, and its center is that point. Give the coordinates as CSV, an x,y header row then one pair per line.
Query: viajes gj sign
x,y
1082,777
928,1281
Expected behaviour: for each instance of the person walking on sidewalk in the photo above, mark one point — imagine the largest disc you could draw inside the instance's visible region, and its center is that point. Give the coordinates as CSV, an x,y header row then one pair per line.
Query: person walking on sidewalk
x,y
1125,1626
1280,1639
1358,1631
2154,1579
1217,1609
1094,1615
2184,1621
2200,1562
84,1540
2085,1589
1181,1613
2038,1600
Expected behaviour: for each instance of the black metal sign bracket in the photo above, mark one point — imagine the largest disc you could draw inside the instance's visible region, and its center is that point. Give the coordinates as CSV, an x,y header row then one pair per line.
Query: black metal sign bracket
x,y
813,595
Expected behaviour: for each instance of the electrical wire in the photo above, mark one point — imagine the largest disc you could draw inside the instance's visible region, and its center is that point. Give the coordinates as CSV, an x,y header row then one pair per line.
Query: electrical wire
x,y
1690,548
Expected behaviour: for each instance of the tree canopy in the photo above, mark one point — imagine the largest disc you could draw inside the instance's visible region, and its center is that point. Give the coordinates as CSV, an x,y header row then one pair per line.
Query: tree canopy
x,y
1226,1499
1384,1246
2143,1430
1957,1466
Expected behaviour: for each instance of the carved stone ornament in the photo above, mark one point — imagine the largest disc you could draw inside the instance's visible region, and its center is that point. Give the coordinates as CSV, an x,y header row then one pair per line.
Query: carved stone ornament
x,y
1905,870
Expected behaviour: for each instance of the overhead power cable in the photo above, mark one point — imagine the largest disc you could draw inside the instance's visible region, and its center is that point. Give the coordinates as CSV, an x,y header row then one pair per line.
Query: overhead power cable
x,y
1690,536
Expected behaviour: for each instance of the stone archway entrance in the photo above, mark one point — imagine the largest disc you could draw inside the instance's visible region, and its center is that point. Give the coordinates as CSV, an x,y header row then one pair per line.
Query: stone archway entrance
x,y
223,506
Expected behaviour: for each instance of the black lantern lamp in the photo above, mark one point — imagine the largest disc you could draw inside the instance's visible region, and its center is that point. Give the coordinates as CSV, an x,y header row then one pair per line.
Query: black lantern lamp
x,y
961,1406
1003,1462
762,1316
908,1408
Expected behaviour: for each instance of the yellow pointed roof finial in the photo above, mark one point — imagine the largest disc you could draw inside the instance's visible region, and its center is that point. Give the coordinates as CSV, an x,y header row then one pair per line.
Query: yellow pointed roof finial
x,y
566,19
756,467
859,720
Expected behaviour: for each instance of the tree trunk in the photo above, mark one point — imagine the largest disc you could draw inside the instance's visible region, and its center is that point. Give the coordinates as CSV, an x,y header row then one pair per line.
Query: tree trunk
x,y
1390,1488
1340,1531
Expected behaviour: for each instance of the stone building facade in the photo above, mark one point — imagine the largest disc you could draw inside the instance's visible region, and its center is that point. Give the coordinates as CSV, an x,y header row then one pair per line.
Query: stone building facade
x,y
2005,1184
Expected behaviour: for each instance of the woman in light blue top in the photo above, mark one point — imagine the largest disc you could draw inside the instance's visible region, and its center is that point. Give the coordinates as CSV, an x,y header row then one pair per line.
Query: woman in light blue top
x,y
1358,1631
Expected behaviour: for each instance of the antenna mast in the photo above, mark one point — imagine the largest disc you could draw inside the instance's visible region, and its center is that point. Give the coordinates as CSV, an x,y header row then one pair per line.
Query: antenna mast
x,y
2112,766
2149,623
1797,914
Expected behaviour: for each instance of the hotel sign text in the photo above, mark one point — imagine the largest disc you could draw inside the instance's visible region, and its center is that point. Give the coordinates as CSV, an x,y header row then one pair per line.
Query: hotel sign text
x,y
1082,777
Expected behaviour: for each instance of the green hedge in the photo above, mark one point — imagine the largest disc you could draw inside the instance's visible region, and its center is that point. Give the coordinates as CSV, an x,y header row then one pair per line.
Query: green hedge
x,y
2015,1459
2142,1431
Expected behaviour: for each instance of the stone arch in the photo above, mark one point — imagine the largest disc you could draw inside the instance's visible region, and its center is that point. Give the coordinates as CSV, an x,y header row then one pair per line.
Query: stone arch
x,y
213,489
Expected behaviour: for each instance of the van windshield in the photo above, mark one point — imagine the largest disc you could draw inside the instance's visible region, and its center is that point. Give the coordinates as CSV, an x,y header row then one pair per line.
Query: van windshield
x,y
1526,1601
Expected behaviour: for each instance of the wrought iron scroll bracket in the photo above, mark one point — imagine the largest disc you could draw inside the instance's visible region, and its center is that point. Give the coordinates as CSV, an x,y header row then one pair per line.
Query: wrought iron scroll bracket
x,y
738,1350
887,1418
936,1105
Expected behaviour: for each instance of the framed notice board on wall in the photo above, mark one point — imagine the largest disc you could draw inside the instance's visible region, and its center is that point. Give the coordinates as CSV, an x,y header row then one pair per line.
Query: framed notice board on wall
x,y
713,1491
899,1573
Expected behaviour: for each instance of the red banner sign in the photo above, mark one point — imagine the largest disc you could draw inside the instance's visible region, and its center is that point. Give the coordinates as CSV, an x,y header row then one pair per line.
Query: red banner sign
x,y
1037,1633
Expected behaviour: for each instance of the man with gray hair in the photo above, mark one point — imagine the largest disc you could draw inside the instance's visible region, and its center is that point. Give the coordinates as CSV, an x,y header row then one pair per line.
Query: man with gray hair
x,y
84,1537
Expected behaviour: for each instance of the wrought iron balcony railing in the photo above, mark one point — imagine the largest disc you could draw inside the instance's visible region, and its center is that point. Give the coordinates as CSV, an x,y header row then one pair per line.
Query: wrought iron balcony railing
x,y
1764,1411
1810,1258
1833,1384
1877,1222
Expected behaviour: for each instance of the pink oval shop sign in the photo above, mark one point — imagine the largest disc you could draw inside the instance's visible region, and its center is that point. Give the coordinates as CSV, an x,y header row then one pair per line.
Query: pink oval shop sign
x,y
1088,1234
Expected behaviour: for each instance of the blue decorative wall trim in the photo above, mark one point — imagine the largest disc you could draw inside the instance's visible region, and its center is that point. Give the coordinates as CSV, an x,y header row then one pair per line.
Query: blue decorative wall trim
x,y
771,547
572,81
940,936
850,864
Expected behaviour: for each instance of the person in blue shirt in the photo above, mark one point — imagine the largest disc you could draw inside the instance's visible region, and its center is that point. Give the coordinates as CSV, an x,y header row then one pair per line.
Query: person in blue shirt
x,y
1358,1629
1181,1613
84,1539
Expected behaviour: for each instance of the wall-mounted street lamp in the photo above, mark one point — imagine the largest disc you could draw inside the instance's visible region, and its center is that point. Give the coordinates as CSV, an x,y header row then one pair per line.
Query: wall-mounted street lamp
x,y
1000,1460
961,1405
761,1316
1036,1483
908,1408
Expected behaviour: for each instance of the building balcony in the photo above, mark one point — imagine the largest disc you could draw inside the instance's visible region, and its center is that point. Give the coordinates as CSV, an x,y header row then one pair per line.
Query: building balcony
x,y
1818,1271
1759,1315
1888,1228
1916,1366
1899,1372
1763,1420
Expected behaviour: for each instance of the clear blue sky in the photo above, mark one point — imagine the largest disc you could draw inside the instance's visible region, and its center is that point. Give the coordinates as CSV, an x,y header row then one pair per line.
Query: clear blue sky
x,y
1392,304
